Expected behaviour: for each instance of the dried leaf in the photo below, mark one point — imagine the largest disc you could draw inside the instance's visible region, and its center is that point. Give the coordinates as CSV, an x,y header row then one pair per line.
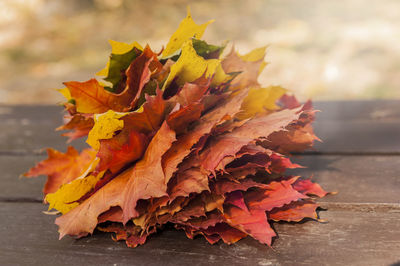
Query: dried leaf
x,y
189,181
121,56
191,66
115,153
80,124
253,223
187,29
62,168
138,74
275,195
104,127
65,198
294,212
307,187
91,97
249,70
260,100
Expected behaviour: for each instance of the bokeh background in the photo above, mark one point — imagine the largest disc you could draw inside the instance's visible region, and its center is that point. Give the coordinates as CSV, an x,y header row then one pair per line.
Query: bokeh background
x,y
324,49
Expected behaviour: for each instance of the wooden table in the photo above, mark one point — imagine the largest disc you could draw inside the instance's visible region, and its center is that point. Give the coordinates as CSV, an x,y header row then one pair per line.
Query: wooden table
x,y
360,158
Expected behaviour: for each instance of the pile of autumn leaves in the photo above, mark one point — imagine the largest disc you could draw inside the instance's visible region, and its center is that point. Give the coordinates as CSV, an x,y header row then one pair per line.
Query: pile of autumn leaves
x,y
185,137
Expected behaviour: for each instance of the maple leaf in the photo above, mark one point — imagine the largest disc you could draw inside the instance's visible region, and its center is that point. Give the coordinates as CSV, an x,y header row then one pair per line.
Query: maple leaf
x,y
260,100
62,168
66,94
80,124
138,74
275,195
294,212
192,92
253,223
91,97
127,146
65,198
180,119
187,29
305,186
104,127
121,56
279,164
255,55
150,116
249,69
190,66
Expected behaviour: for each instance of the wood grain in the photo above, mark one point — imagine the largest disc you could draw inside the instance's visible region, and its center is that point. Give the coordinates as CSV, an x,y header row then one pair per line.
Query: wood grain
x,y
358,179
13,186
30,129
358,127
350,238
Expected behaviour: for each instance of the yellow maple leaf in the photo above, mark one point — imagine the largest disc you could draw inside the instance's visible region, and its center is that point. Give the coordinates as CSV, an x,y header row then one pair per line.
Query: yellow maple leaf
x,y
64,199
65,92
187,29
255,55
118,48
104,127
190,66
260,100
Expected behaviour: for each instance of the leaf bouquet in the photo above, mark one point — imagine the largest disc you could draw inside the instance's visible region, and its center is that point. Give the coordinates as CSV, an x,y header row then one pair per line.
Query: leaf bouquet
x,y
185,136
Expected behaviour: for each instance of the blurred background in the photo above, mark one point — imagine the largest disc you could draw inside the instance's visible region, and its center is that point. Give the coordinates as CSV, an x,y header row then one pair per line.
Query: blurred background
x,y
324,49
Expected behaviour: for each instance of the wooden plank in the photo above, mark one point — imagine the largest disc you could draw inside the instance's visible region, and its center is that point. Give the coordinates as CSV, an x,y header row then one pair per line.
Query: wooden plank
x,y
30,129
345,127
14,187
351,237
358,127
359,179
